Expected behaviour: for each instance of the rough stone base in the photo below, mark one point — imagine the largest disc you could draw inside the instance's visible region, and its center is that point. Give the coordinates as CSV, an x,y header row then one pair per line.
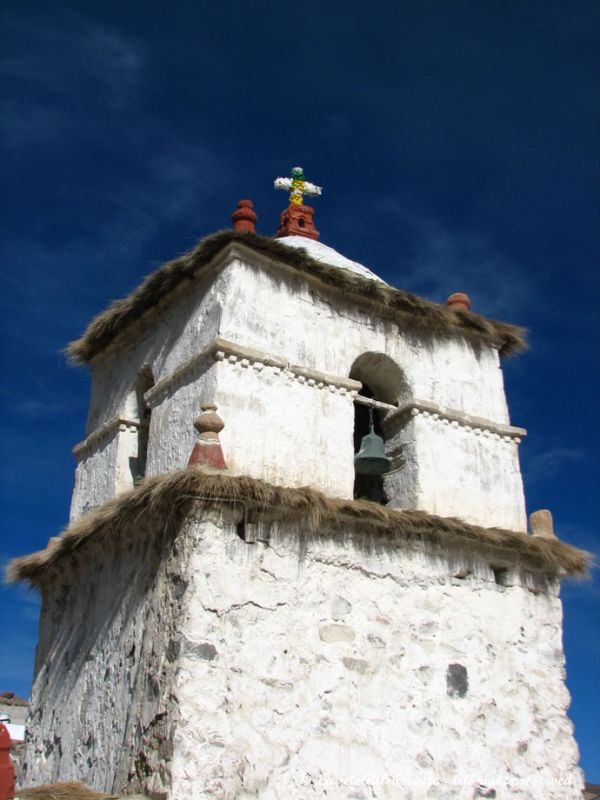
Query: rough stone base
x,y
293,669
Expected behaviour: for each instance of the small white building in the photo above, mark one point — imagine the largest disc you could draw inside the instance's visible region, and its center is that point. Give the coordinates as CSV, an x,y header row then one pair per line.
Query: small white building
x,y
264,630
13,714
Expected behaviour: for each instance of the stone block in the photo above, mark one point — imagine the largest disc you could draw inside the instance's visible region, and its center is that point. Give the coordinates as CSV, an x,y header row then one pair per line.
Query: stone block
x,y
336,633
542,524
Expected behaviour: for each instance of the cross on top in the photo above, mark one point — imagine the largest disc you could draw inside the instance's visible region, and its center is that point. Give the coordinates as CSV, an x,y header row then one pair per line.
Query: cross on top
x,y
297,186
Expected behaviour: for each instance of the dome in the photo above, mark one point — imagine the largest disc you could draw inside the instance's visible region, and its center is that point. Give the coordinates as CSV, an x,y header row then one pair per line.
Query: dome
x,y
327,255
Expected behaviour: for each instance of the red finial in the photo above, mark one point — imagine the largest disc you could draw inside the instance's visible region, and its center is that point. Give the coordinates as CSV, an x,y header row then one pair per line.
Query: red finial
x,y
459,301
297,220
7,772
207,450
244,217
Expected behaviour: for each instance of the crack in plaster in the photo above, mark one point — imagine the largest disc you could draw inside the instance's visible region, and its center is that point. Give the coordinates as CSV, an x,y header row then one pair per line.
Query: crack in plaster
x,y
236,606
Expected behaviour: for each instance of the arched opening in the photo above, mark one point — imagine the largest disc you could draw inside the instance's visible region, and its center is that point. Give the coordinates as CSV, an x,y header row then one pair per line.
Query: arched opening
x,y
139,412
368,486
383,382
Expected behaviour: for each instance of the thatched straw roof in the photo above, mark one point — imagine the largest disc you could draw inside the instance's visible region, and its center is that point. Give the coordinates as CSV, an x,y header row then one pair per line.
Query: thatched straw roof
x,y
62,791
12,699
165,499
409,310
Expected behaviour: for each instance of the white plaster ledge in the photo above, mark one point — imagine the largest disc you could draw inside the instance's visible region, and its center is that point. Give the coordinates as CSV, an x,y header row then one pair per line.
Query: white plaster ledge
x,y
225,351
103,433
246,357
169,385
455,418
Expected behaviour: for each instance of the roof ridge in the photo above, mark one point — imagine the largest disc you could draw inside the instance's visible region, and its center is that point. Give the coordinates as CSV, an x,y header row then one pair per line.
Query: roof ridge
x,y
413,311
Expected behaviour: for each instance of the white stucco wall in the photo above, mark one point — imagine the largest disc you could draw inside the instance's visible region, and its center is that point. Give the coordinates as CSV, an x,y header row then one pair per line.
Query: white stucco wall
x,y
16,713
294,430
172,432
179,332
457,471
283,315
96,475
260,670
176,333
284,431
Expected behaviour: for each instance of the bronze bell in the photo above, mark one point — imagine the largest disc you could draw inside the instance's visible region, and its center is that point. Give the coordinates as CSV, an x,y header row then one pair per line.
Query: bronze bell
x,y
371,458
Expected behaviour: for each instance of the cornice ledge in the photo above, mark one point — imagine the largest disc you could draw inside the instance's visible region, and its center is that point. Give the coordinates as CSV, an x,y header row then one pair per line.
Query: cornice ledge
x,y
456,418
247,356
221,349
105,431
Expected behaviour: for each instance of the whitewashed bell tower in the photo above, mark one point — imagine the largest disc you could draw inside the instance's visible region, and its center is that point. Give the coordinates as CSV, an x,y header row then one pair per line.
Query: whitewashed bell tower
x,y
262,619
291,373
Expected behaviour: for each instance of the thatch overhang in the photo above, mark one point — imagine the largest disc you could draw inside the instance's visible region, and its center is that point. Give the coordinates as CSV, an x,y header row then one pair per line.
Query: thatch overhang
x,y
166,500
12,699
409,310
71,790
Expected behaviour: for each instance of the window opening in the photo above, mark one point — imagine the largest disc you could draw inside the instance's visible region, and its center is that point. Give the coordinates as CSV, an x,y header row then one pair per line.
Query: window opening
x,y
500,575
142,414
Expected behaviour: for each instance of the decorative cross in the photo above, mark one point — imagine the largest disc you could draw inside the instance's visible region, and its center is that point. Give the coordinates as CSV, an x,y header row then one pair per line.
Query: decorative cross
x,y
297,186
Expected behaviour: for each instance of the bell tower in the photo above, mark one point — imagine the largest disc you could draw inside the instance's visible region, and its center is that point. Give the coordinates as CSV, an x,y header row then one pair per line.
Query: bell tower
x,y
322,584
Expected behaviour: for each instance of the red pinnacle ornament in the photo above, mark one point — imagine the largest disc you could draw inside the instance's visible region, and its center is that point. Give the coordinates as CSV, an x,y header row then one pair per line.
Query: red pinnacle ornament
x,y
207,450
459,301
297,220
244,217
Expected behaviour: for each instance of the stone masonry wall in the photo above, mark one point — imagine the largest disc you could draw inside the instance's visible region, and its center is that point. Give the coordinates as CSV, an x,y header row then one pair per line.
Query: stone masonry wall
x,y
101,709
207,666
337,673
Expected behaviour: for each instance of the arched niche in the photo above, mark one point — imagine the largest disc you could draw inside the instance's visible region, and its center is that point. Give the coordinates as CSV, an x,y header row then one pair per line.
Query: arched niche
x,y
385,378
135,441
384,382
144,382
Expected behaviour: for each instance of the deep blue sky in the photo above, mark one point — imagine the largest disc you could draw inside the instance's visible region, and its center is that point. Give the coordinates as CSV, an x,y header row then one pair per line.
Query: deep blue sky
x,y
457,143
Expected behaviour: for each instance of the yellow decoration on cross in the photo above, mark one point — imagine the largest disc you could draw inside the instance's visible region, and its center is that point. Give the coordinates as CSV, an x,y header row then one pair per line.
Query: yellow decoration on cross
x,y
297,186
297,191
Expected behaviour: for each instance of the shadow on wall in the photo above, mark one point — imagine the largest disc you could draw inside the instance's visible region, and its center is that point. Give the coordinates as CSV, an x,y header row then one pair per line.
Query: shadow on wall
x,y
138,411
